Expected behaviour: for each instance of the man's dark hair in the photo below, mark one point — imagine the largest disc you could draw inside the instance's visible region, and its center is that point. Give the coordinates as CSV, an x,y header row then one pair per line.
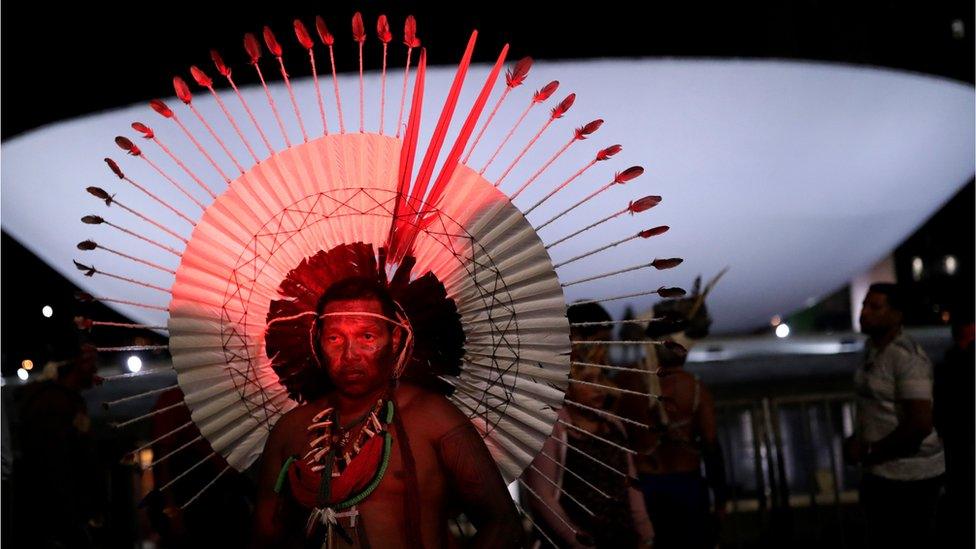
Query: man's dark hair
x,y
312,383
895,295
588,312
358,287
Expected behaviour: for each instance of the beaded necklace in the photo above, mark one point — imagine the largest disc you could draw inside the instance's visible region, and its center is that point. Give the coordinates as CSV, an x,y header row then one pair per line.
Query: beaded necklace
x,y
323,454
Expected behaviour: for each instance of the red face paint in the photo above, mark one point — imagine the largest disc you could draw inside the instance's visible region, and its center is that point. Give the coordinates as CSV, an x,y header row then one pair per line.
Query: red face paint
x,y
358,349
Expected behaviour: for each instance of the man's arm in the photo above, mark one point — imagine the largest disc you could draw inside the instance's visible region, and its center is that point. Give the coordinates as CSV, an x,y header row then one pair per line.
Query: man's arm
x,y
712,451
267,522
478,485
540,478
907,436
913,398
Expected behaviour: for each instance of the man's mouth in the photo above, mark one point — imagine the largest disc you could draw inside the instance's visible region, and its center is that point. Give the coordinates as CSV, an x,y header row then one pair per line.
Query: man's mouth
x,y
352,374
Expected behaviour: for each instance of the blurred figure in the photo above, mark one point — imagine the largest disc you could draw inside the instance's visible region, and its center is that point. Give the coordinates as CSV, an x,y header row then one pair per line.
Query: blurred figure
x,y
954,409
683,433
620,520
893,441
58,485
218,517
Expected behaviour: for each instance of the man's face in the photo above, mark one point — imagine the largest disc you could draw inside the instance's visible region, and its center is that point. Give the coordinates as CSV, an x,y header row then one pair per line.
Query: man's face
x,y
358,349
877,316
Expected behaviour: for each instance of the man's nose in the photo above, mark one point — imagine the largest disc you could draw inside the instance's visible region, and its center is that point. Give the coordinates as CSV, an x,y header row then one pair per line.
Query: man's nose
x,y
351,351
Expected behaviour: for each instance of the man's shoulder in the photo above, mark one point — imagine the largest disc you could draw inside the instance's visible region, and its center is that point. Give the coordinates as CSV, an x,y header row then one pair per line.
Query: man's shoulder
x,y
433,409
905,349
297,415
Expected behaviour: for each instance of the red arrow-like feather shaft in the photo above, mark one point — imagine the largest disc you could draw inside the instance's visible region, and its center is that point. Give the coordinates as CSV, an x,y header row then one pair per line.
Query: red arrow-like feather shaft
x,y
588,129
383,30
643,204
324,35
545,92
628,174
182,90
304,38
563,106
358,29
608,152
160,107
269,40
410,33
201,77
145,130
125,144
515,76
253,47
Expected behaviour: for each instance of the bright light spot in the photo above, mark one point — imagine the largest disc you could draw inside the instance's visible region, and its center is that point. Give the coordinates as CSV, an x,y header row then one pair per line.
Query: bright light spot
x,y
27,364
950,264
782,330
917,268
145,458
47,311
958,29
775,321
22,374
134,364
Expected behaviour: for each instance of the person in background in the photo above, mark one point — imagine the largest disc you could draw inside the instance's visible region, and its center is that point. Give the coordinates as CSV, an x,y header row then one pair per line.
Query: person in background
x,y
894,440
682,435
562,502
58,483
954,413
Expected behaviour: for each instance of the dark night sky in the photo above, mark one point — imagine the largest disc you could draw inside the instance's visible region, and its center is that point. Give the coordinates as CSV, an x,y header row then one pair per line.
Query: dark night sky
x,y
87,56
83,57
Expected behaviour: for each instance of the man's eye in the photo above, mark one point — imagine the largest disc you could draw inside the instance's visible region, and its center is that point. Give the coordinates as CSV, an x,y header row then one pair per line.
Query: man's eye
x,y
332,338
369,337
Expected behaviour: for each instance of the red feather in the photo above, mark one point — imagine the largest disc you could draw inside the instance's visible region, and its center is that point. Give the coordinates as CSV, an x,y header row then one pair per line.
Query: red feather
x,y
92,220
201,77
160,107
100,194
671,292
87,245
89,271
515,76
269,40
545,92
222,68
628,174
410,33
383,30
145,130
182,90
253,47
323,31
358,30
304,38
644,204
608,152
654,231
115,168
668,263
128,146
82,296
586,130
563,106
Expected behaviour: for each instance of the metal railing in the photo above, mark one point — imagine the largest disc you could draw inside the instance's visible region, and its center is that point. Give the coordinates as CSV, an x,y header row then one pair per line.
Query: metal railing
x,y
785,470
